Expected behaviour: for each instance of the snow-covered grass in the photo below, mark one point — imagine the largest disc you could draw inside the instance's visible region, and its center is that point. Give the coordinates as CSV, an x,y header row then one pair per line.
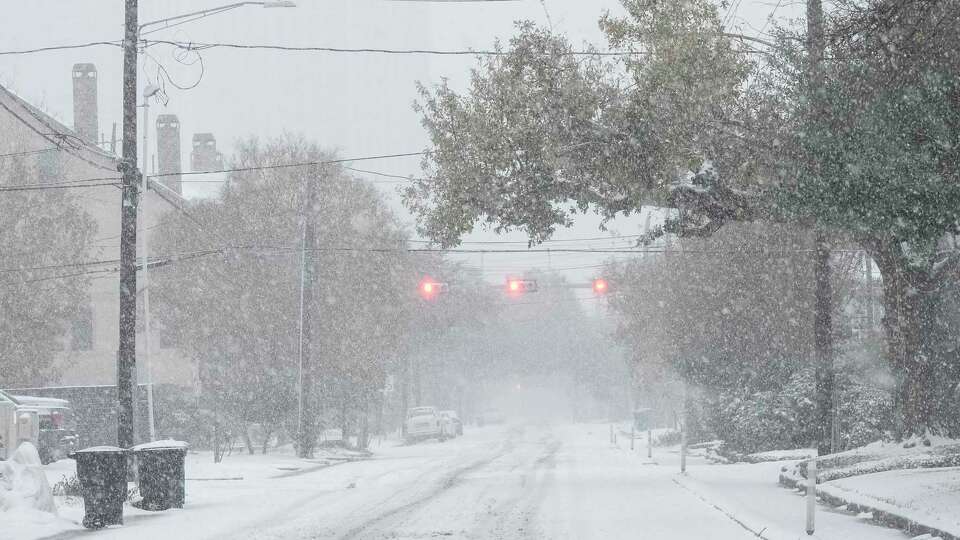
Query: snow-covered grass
x,y
920,497
913,485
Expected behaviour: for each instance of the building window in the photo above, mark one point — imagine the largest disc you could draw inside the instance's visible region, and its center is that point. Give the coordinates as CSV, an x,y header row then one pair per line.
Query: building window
x,y
81,338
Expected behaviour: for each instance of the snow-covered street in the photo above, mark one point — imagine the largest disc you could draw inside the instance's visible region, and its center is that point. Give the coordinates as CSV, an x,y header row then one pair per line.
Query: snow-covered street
x,y
509,482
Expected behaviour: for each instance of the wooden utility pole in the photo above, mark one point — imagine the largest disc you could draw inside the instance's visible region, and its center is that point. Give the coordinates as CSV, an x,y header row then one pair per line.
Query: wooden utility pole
x,y
127,350
307,417
822,324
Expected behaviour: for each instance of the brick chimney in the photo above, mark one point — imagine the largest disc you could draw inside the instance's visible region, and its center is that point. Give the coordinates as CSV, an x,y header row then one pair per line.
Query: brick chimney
x,y
85,121
204,157
168,152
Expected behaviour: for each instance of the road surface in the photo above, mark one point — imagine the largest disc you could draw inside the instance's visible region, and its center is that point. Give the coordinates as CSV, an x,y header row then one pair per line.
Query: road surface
x,y
498,482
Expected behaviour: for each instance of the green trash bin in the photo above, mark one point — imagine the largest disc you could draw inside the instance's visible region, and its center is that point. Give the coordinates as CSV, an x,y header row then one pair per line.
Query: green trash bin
x,y
102,471
160,474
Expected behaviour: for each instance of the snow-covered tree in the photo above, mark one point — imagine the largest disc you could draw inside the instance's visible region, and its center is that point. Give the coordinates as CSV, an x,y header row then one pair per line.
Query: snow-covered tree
x,y
701,120
236,310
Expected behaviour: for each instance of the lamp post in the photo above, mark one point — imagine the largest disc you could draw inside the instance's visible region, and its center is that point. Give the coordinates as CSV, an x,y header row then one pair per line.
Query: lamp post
x,y
148,93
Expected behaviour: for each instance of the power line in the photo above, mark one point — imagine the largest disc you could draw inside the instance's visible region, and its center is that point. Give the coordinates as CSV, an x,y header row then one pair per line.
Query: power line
x,y
771,16
30,152
294,165
560,240
192,45
383,174
237,169
62,47
40,187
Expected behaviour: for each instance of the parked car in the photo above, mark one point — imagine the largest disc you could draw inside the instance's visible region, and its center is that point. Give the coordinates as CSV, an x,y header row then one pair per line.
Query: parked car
x,y
490,416
453,424
423,423
57,437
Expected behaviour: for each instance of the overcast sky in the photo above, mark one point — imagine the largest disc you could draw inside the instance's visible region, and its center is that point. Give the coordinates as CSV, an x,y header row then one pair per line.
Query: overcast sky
x,y
359,104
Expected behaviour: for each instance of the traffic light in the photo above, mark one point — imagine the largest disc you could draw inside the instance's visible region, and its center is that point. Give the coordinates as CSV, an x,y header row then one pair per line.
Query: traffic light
x,y
429,288
600,286
516,287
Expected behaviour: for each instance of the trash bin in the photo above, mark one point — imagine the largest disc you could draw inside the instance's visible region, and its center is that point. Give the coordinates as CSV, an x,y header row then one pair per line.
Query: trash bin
x,y
102,471
160,472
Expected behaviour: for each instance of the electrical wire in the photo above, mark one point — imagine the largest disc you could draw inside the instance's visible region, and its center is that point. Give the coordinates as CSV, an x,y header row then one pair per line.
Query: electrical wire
x,y
62,47
41,187
98,181
294,165
193,45
30,152
770,17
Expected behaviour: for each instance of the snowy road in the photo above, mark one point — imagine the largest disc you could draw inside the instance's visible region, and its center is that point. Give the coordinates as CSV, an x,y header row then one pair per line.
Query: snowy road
x,y
512,482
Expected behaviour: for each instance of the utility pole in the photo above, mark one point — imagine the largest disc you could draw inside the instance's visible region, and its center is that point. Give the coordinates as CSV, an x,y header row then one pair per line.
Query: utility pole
x,y
822,324
306,419
127,351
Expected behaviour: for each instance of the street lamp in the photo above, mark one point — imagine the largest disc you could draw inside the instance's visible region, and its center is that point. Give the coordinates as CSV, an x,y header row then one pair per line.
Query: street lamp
x,y
195,15
148,92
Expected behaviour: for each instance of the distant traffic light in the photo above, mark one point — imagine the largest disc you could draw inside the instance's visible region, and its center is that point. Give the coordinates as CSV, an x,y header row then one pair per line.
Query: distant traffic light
x,y
516,287
429,288
600,286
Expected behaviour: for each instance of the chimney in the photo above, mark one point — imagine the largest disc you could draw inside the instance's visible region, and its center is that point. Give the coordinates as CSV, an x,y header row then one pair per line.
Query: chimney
x,y
168,152
85,121
204,157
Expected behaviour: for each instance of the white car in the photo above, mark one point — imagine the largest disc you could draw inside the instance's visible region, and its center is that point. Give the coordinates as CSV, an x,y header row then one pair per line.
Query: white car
x,y
423,423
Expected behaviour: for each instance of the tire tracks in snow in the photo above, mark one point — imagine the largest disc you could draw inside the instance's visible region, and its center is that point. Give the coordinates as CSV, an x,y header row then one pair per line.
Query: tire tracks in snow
x,y
448,482
514,518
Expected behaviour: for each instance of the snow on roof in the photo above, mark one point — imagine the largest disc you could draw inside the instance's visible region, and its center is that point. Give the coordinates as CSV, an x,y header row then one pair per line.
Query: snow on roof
x,y
34,401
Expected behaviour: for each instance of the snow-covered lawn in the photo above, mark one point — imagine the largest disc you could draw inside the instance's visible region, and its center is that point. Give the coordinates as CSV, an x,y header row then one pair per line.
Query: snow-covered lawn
x,y
929,497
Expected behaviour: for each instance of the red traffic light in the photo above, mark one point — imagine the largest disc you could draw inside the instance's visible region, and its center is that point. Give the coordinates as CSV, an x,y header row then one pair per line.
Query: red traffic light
x,y
429,289
600,286
516,287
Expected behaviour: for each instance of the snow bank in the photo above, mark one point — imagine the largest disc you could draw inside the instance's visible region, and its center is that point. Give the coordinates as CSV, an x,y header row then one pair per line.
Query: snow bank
x,y
23,484
27,508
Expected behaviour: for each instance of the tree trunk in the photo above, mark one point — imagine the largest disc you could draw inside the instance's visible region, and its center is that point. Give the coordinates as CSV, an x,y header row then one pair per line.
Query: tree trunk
x,y
267,433
823,346
247,441
910,306
363,439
